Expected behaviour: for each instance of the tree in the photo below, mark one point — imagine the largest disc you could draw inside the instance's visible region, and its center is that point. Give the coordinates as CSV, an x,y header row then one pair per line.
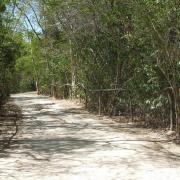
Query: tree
x,y
110,55
8,53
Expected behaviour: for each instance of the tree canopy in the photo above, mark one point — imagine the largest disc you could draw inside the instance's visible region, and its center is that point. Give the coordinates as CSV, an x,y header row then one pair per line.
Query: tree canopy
x,y
119,56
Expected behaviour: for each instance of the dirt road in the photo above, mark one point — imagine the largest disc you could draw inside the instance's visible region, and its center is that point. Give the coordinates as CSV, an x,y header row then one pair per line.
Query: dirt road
x,y
59,141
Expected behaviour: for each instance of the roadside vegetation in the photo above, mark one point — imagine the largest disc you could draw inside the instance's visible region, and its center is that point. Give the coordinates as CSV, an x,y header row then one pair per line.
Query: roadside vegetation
x,y
119,57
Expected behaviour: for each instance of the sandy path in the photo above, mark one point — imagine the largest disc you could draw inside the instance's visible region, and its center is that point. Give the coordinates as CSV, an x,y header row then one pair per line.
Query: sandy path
x,y
59,142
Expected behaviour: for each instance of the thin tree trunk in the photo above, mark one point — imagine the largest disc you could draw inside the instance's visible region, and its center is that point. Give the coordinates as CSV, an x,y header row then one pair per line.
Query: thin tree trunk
x,y
176,94
131,109
37,87
172,110
73,72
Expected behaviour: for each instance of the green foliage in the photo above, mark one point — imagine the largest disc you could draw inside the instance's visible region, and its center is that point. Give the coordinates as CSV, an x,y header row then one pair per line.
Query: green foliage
x,y
8,53
130,47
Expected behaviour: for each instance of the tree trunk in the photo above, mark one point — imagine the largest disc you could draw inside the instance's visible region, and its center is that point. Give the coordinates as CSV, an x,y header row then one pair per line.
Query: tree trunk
x,y
53,89
73,72
37,87
172,110
175,110
176,94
